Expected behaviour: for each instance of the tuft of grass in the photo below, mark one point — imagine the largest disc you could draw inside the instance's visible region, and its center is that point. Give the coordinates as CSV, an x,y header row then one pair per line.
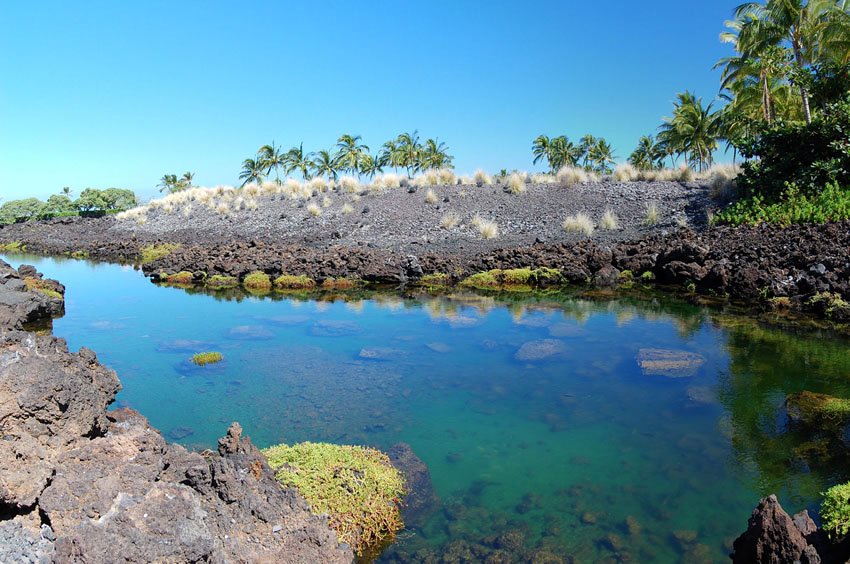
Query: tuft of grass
x,y
182,278
220,282
356,486
722,180
257,281
340,283
204,358
481,178
609,220
487,228
543,179
835,511
431,197
291,282
488,279
326,202
652,214
347,208
13,247
450,220
514,279
832,304
570,175
222,208
349,184
314,209
516,183
446,176
150,253
626,173
435,280
579,223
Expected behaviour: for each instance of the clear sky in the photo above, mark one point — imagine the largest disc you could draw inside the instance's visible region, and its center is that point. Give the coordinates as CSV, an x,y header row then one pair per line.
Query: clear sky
x,y
114,93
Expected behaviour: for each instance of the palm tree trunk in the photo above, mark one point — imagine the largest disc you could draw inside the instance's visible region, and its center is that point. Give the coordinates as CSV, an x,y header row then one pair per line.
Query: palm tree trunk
x,y
798,56
766,103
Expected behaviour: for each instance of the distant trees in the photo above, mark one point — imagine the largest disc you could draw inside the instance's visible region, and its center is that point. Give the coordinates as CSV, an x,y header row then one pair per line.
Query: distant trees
x,y
351,156
648,155
595,154
171,183
91,201
693,130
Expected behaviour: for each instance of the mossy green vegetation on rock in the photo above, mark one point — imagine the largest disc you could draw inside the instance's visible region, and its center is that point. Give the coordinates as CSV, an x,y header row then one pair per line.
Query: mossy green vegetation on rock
x,y
436,279
204,358
832,304
150,253
182,278
817,410
12,247
43,287
292,282
516,279
835,511
221,282
258,281
341,283
356,486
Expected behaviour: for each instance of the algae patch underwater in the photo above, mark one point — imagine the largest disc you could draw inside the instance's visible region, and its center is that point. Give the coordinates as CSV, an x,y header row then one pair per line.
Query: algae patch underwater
x,y
357,486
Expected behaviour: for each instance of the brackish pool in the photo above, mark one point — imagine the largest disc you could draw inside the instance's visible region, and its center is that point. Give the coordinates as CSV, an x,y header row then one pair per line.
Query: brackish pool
x,y
540,428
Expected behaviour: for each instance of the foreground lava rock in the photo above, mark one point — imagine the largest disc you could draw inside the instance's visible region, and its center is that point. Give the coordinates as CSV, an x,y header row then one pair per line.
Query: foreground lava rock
x,y
83,484
774,537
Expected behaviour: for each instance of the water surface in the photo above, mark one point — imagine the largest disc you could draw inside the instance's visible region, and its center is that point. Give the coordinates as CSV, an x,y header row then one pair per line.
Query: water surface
x,y
535,418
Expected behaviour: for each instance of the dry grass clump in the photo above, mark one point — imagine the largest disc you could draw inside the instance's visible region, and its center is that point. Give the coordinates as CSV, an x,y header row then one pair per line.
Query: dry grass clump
x,y
626,173
326,202
447,176
349,184
516,183
450,220
721,179
347,208
579,223
652,214
314,209
609,220
388,181
465,180
257,280
481,178
318,184
570,175
139,215
543,179
431,197
488,229
222,209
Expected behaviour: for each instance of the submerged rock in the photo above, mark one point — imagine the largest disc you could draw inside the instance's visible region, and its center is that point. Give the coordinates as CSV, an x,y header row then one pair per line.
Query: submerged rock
x,y
421,500
773,537
669,363
540,350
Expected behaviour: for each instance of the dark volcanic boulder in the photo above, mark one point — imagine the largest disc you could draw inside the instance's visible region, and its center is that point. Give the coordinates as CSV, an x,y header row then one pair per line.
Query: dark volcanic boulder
x,y
420,500
773,537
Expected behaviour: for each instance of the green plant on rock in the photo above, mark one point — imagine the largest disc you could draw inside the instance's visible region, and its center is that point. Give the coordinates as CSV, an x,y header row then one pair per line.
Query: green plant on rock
x,y
221,282
356,486
833,304
182,278
292,282
835,511
204,358
43,287
436,279
257,281
12,247
150,253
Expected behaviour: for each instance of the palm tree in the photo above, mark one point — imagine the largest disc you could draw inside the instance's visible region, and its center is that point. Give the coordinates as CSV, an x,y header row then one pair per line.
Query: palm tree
x,y
371,165
648,155
323,164
563,152
389,155
272,158
692,130
602,153
585,144
297,160
540,150
435,155
253,170
350,151
66,191
168,183
186,180
409,152
799,24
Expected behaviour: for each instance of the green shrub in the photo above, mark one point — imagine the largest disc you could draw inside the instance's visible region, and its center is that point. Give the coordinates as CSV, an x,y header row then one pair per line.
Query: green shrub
x,y
291,282
835,511
356,486
150,253
793,206
257,281
204,358
218,281
183,277
12,247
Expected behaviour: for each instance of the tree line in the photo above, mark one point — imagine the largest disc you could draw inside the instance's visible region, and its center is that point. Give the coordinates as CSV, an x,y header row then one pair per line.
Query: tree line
x,y
92,202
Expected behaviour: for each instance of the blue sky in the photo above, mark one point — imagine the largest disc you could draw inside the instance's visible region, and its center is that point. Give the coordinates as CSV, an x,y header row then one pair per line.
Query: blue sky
x,y
105,93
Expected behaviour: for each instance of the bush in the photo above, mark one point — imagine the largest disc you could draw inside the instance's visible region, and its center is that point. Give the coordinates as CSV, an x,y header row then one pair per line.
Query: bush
x,y
15,211
808,156
356,486
830,204
257,281
835,511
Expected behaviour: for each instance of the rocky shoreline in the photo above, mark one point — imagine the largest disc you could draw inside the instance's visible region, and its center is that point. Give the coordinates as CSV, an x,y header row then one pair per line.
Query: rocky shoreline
x,y
80,483
801,268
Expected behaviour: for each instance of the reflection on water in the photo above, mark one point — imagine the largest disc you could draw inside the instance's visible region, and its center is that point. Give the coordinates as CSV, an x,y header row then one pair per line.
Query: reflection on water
x,y
553,425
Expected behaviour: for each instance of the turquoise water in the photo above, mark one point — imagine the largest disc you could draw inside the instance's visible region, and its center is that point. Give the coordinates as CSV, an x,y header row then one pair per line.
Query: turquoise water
x,y
578,452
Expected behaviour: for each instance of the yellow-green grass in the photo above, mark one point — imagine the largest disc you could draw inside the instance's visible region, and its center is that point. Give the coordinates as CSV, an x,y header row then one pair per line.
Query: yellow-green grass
x,y
356,486
292,282
513,279
204,358
435,279
43,287
257,281
12,247
221,282
183,278
341,283
150,253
